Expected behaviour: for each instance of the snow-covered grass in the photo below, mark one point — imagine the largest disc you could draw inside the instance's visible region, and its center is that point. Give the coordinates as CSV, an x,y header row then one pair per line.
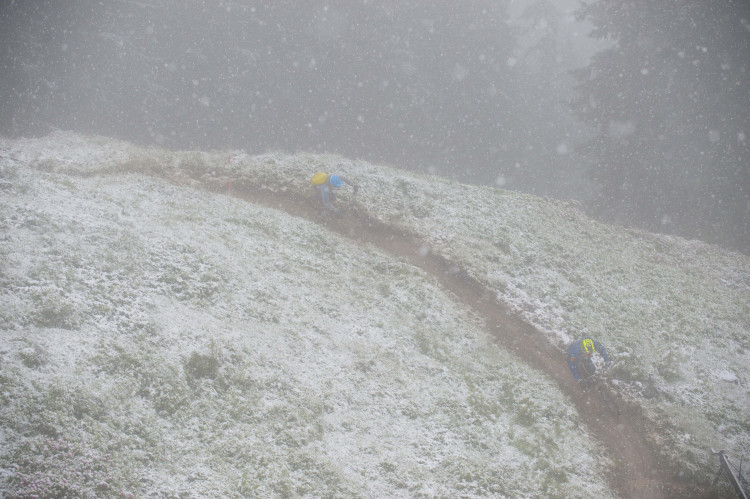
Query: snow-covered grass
x,y
158,340
163,275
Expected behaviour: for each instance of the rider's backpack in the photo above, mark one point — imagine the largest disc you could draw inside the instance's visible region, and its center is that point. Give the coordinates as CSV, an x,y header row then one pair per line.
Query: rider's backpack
x,y
319,178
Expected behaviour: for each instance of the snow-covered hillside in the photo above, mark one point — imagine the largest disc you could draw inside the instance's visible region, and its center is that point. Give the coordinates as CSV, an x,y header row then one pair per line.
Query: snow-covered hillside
x,y
157,339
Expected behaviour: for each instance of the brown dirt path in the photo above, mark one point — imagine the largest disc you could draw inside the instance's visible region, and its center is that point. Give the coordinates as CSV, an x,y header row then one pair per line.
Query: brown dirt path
x,y
639,472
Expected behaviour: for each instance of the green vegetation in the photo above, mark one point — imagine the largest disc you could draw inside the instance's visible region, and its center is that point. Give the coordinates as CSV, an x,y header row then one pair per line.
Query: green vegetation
x,y
213,347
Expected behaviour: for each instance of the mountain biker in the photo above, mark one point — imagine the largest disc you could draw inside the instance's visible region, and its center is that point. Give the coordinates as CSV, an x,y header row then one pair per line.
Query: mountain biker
x,y
324,182
579,358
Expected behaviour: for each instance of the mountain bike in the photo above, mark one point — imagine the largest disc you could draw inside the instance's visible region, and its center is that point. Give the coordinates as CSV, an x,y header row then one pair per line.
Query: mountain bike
x,y
596,381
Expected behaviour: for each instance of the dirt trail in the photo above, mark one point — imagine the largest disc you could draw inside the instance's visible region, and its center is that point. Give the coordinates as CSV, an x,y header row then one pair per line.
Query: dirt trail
x,y
639,471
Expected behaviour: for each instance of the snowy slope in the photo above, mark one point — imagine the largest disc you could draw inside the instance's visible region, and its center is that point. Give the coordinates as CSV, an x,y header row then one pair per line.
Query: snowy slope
x,y
194,337
160,340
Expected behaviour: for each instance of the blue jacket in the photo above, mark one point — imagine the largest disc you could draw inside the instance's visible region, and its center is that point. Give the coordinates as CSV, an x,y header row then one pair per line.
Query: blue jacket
x,y
574,354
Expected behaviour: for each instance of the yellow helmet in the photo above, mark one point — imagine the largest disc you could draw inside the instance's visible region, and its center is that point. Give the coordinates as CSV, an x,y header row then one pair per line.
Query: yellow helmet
x,y
587,346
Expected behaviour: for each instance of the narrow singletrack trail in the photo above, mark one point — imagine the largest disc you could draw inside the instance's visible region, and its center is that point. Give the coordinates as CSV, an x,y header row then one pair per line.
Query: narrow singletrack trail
x,y
639,472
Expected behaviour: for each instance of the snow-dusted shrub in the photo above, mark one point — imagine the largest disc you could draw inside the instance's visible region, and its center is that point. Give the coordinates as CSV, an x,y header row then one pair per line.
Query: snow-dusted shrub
x,y
33,356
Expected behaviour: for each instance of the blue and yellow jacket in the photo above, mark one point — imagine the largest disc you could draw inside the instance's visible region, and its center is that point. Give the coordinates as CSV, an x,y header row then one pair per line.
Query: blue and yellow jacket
x,y
574,354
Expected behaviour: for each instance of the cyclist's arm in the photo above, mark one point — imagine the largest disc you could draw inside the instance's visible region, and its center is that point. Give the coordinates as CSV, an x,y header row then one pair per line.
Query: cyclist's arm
x,y
349,182
603,352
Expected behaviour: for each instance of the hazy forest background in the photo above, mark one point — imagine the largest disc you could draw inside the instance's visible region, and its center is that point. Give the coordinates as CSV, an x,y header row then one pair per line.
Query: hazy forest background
x,y
638,109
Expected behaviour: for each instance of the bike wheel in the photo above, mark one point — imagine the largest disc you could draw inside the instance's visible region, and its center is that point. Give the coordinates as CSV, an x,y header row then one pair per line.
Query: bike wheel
x,y
609,402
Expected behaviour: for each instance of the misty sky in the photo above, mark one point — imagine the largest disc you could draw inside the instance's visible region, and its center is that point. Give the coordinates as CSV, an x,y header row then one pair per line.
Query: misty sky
x,y
478,91
432,86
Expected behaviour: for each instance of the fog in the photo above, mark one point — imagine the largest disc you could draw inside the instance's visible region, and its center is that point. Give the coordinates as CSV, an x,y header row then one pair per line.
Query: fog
x,y
639,110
